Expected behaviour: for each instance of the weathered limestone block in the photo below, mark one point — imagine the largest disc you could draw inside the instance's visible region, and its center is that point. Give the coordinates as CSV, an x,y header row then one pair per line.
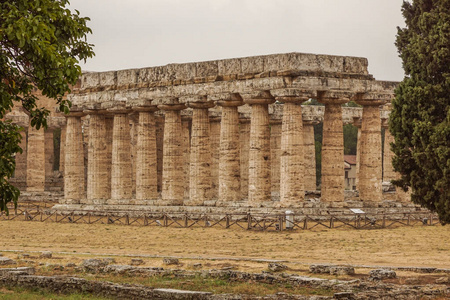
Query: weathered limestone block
x,y
134,120
172,181
97,183
36,160
121,187
159,149
74,181
370,165
333,176
200,159
309,156
146,163
380,274
259,184
276,267
229,163
244,142
292,154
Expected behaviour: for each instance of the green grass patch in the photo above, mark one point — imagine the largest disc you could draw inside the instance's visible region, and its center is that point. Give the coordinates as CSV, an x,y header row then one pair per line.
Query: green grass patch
x,y
19,293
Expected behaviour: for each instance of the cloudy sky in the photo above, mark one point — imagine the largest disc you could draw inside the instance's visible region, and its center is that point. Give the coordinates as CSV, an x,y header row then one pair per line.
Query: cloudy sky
x,y
145,33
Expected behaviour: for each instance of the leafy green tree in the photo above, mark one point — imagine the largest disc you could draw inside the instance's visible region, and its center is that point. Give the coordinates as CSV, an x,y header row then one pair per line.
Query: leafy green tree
x,y
41,43
420,119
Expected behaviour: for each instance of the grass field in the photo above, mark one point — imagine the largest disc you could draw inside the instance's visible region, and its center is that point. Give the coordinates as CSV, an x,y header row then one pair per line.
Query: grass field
x,y
402,246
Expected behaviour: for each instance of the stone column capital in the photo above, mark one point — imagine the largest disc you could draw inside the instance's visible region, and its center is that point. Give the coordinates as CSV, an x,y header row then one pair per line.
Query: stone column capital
x,y
118,111
292,95
258,97
227,99
310,122
334,97
149,108
200,105
172,107
372,98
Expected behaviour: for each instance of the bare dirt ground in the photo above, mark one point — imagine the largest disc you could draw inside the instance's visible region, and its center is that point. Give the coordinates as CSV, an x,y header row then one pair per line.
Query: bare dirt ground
x,y
403,246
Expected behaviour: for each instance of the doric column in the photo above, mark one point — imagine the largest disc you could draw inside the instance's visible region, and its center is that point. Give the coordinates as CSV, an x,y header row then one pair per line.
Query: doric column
x,y
229,162
36,160
97,177
333,176
146,164
159,148
214,122
62,145
20,172
109,121
244,143
370,165
74,185
275,155
200,159
259,184
292,184
134,120
357,123
121,171
186,121
172,177
309,155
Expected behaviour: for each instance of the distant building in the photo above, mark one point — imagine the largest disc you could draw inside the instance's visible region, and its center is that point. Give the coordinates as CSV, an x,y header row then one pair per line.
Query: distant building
x,y
350,172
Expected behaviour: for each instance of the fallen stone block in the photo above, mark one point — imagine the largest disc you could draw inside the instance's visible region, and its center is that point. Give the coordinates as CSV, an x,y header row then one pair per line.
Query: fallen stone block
x,y
93,265
276,267
342,270
320,269
380,274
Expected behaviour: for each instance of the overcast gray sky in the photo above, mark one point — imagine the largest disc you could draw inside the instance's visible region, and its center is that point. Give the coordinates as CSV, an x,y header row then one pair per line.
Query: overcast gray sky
x,y
145,33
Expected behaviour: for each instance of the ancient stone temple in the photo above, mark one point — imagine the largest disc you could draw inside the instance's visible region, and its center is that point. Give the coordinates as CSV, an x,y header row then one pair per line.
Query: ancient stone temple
x,y
224,133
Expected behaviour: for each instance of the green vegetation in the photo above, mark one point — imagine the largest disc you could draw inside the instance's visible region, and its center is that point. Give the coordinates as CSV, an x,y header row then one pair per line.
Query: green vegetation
x,y
41,43
17,293
420,118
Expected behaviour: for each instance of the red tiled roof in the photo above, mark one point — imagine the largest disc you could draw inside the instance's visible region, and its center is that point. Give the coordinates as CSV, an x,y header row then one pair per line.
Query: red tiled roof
x,y
351,159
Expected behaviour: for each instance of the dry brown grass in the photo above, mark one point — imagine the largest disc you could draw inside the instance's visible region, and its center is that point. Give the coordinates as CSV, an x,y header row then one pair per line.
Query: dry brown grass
x,y
403,246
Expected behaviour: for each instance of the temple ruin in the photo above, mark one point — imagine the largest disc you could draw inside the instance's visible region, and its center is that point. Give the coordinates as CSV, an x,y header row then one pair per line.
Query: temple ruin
x,y
226,133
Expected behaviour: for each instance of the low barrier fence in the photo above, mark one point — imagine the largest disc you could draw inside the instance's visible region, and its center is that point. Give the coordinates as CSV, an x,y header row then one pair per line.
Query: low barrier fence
x,y
247,221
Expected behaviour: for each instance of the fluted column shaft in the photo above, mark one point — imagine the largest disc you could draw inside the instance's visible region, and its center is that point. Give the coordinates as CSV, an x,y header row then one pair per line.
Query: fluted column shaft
x,y
292,165
215,154
370,166
36,160
186,150
146,164
333,176
200,159
275,156
172,181
259,184
229,162
109,121
309,156
357,124
74,185
121,171
244,138
97,185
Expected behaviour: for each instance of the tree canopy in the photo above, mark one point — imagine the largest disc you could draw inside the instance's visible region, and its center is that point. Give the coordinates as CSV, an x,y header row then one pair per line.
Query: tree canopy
x,y
41,44
420,119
